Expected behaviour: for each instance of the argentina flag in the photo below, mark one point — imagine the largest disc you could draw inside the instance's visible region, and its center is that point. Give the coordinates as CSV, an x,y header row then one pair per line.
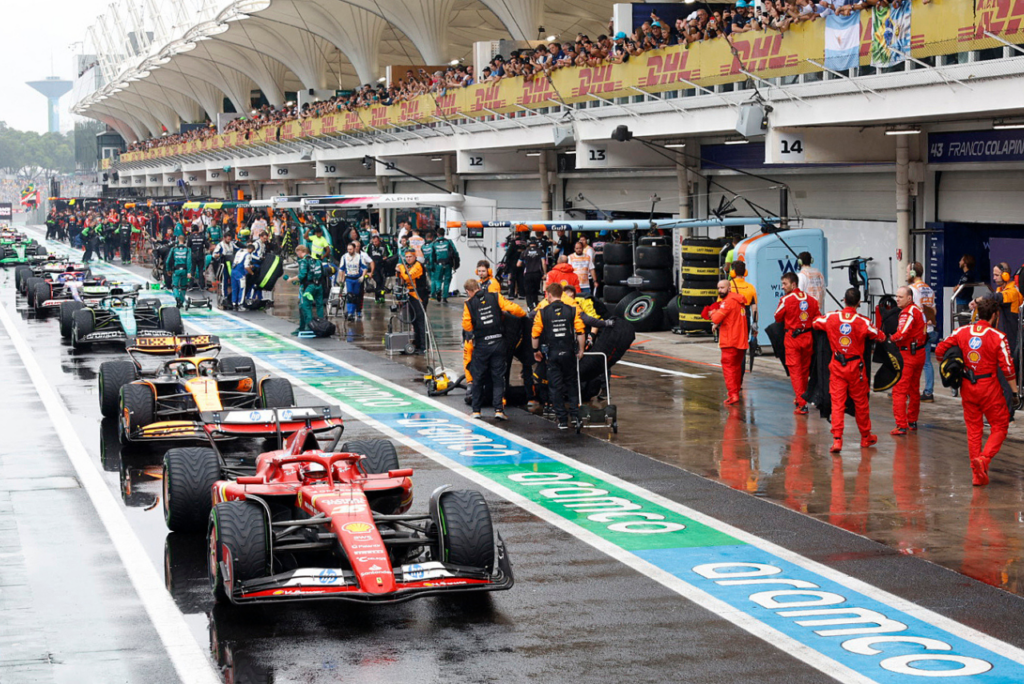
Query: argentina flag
x,y
842,41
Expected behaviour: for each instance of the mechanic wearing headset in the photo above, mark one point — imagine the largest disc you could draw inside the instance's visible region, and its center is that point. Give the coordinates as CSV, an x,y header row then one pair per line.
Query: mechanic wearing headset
x,y
411,274
848,333
797,311
1008,298
558,338
481,323
179,265
924,297
911,336
986,352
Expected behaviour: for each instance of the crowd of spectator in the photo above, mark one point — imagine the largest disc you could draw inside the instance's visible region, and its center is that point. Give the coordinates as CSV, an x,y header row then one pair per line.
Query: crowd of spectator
x,y
612,48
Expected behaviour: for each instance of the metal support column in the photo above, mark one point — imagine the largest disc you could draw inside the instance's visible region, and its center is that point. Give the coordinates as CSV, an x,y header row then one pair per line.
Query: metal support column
x,y
903,200
545,186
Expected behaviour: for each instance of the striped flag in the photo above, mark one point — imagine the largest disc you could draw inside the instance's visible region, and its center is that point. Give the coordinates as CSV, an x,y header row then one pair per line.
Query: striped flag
x,y
842,41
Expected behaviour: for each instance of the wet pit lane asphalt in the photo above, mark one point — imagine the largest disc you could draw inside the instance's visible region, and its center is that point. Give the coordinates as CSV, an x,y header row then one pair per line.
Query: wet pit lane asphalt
x,y
577,613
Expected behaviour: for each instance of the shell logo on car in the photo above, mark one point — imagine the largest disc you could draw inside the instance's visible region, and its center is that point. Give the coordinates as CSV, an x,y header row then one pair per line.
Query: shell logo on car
x,y
357,527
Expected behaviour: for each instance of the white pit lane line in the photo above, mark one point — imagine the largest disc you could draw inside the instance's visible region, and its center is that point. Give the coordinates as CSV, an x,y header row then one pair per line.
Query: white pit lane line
x,y
663,371
190,661
720,608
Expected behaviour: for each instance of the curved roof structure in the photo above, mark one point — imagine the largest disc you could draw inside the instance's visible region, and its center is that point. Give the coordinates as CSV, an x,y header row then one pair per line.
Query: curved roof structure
x,y
185,72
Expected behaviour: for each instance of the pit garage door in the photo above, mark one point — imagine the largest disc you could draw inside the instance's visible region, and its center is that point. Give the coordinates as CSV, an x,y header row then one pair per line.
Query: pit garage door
x,y
981,196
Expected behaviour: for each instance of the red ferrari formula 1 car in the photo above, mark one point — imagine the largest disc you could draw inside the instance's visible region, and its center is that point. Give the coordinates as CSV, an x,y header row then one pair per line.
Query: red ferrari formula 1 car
x,y
312,525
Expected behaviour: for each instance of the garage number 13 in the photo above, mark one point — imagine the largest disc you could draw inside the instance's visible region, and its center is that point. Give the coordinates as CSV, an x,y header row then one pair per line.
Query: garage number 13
x,y
598,155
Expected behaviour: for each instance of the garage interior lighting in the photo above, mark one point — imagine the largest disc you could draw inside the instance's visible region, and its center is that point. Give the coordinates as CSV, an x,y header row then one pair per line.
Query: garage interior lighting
x,y
1004,125
675,145
903,130
533,154
739,141
437,159
569,152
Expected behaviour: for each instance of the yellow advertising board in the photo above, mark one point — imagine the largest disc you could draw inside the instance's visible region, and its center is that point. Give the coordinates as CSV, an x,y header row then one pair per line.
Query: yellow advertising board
x,y
938,28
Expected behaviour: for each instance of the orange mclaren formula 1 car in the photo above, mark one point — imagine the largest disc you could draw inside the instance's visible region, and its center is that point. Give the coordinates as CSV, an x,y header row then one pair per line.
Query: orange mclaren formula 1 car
x,y
194,395
313,524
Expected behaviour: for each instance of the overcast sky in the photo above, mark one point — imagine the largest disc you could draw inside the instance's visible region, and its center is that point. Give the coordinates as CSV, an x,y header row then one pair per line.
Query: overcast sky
x,y
35,29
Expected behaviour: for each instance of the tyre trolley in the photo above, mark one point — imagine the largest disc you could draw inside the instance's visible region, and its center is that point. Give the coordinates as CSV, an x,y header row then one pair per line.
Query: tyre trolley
x,y
608,415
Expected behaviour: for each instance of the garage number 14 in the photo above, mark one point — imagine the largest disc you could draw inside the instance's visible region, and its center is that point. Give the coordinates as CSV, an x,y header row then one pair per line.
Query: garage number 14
x,y
792,146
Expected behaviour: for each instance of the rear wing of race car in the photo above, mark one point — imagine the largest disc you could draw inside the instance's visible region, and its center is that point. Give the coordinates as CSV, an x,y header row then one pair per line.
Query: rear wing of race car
x,y
164,344
214,426
277,421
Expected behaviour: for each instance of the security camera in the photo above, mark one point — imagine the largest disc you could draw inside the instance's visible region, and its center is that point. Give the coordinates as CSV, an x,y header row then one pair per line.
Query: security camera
x,y
367,162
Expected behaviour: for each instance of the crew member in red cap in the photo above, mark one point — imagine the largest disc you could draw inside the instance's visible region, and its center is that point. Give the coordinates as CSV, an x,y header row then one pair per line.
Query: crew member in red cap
x,y
985,351
911,336
848,332
730,319
797,311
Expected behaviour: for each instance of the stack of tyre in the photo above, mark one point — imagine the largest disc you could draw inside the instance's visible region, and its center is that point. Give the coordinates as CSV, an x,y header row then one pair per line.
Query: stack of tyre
x,y
643,307
698,286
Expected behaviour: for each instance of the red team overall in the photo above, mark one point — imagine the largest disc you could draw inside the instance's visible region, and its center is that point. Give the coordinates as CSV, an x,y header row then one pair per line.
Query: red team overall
x,y
910,336
985,351
847,333
797,311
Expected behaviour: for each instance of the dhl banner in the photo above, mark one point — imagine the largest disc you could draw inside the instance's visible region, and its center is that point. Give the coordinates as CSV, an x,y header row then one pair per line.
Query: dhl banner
x,y
938,28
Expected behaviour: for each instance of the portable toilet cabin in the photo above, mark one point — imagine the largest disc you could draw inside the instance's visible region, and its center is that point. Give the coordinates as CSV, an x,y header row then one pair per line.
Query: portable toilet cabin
x,y
769,255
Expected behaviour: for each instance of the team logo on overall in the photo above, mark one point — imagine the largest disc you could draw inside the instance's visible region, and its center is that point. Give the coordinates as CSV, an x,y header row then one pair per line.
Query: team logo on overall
x,y
845,341
803,305
846,329
804,316
973,357
975,343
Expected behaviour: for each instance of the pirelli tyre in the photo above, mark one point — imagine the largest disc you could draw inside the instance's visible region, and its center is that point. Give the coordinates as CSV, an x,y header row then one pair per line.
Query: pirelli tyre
x,y
690,319
616,274
189,474
30,289
701,249
670,314
276,393
113,376
41,251
380,454
21,274
642,312
656,278
613,342
42,293
465,529
67,313
83,322
618,253
654,256
693,273
698,295
237,531
613,294
138,406
170,320
238,365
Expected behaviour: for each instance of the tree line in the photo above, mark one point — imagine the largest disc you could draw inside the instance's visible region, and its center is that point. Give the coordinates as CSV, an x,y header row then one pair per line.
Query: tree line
x,y
30,153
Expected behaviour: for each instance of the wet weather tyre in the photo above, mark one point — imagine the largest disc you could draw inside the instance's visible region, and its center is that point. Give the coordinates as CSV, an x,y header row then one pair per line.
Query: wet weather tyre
x,y
241,527
620,307
613,294
30,289
699,295
42,293
618,253
238,365
661,298
138,404
82,324
113,376
467,533
381,455
616,274
701,249
690,319
670,314
654,256
189,475
643,313
170,320
697,273
67,313
276,393
21,275
41,251
655,278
